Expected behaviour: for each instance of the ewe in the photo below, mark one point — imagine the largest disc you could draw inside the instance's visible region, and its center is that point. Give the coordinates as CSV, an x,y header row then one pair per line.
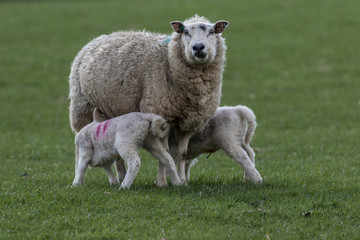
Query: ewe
x,y
101,144
178,77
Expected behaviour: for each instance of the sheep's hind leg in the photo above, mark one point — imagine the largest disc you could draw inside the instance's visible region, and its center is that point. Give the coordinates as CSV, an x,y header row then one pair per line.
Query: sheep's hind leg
x,y
81,112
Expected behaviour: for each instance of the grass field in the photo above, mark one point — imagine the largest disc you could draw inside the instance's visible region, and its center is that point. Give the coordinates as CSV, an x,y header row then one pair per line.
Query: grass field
x,y
295,63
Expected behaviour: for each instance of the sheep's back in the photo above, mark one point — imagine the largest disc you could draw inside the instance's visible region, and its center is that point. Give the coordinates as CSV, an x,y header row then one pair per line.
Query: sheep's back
x,y
114,69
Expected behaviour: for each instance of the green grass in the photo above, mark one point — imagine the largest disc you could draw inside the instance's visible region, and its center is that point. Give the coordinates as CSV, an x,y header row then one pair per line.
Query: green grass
x,y
295,63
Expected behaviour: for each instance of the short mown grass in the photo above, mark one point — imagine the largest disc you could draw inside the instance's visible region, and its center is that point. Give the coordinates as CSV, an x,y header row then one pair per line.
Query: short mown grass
x,y
295,63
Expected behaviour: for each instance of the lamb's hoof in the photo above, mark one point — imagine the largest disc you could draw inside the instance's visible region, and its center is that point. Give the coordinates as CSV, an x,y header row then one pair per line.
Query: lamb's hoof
x,y
254,178
160,183
123,187
75,185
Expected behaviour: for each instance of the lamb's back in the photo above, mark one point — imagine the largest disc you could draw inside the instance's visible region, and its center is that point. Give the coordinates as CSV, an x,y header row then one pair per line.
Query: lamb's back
x,y
223,127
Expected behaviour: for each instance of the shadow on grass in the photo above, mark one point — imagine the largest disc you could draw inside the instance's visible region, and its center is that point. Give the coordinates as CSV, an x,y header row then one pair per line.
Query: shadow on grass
x,y
233,188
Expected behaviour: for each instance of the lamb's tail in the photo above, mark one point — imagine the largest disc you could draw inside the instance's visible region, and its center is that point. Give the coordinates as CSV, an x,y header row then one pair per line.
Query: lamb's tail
x,y
248,115
159,127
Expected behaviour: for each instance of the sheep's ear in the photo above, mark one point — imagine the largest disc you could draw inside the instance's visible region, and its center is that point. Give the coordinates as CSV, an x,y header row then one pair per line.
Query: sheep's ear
x,y
99,116
220,26
178,26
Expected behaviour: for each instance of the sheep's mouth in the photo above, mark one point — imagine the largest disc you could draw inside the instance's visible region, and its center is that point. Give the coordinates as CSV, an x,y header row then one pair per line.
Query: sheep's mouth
x,y
200,55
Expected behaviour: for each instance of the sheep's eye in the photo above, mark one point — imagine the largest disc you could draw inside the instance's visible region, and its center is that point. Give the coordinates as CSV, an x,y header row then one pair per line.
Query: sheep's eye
x,y
186,33
212,31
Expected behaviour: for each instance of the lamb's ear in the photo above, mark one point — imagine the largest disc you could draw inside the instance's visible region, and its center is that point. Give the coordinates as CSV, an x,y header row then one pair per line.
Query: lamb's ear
x,y
178,26
220,26
99,116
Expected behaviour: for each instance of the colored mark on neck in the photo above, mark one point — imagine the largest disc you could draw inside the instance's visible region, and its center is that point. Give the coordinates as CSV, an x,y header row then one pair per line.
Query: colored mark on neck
x,y
166,41
101,129
106,124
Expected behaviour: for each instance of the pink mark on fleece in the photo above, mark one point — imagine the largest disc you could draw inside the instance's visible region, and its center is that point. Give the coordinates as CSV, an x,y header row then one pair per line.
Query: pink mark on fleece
x,y
101,129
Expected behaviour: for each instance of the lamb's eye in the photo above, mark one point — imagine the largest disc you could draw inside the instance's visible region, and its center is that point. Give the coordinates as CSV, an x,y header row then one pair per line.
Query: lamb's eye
x,y
212,31
186,33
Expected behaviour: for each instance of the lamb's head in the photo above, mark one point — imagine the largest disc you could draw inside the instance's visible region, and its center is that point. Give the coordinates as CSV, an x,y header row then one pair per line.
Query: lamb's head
x,y
199,38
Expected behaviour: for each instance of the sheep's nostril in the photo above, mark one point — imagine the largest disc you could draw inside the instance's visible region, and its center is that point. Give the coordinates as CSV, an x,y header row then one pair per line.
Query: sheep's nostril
x,y
198,47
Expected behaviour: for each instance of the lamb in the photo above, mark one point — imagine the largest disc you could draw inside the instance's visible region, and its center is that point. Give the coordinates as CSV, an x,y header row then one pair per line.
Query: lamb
x,y
101,144
178,77
231,130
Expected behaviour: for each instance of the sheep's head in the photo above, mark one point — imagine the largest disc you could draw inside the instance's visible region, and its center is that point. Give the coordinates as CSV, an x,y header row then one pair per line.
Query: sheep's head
x,y
199,39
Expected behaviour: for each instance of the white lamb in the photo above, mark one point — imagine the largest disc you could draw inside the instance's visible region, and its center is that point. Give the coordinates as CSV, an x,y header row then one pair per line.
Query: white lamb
x,y
231,130
178,77
101,144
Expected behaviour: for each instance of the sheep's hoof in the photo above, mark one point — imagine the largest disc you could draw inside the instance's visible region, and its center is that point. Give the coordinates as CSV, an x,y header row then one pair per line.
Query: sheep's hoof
x,y
160,184
114,183
182,183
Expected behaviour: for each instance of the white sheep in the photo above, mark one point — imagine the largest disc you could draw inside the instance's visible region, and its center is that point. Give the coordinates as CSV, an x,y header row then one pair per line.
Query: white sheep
x,y
178,77
100,144
231,130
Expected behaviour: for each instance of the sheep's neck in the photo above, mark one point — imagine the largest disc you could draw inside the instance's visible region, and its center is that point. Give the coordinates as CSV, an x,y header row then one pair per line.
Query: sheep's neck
x,y
195,80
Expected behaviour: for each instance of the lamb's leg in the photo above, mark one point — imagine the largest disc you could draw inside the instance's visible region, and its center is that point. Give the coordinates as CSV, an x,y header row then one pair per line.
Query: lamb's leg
x,y
133,162
188,165
84,157
76,158
250,152
158,150
109,172
162,172
161,177
240,156
181,154
120,169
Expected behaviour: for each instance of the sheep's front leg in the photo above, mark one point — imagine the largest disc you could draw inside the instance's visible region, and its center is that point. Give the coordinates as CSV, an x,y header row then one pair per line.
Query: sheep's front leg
x,y
109,172
133,162
120,169
82,159
181,154
161,177
240,156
